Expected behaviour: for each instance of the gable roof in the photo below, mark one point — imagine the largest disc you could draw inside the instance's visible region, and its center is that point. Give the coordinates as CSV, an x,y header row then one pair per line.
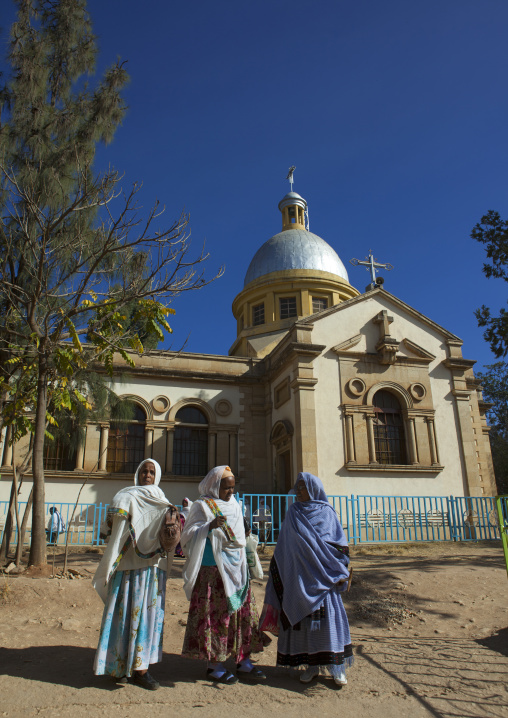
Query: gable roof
x,y
389,297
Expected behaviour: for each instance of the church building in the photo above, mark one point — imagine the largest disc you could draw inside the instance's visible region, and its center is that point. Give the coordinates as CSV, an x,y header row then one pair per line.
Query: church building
x,y
358,388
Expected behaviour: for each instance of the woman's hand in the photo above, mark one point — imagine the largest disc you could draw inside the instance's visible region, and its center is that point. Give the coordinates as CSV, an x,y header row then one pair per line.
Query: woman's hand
x,y
218,522
169,534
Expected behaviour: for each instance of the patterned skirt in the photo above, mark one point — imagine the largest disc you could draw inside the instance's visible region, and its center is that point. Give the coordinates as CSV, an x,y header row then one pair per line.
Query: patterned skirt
x,y
132,622
211,633
323,642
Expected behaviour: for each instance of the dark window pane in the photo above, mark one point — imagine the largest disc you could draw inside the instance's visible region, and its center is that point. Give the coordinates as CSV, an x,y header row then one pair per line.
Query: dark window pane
x,y
389,429
387,401
318,304
139,414
126,444
190,451
287,307
258,314
58,457
191,415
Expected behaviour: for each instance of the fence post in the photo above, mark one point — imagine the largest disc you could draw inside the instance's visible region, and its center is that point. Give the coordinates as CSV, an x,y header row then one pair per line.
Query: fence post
x,y
97,525
451,516
353,519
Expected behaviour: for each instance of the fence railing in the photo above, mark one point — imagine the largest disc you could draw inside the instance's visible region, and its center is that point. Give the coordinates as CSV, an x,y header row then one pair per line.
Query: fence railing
x,y
388,519
365,519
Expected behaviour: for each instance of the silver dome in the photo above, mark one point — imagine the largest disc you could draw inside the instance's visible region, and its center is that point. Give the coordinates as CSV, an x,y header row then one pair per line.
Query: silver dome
x,y
295,249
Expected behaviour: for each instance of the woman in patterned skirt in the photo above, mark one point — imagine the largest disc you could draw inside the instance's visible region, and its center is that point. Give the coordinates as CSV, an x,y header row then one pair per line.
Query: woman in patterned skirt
x,y
308,572
223,620
131,578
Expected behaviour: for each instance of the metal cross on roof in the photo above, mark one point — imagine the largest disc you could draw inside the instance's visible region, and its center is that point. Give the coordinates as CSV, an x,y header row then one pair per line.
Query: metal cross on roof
x,y
290,176
371,265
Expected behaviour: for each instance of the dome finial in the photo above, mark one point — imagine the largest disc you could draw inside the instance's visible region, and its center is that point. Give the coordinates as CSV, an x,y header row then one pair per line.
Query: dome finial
x,y
290,177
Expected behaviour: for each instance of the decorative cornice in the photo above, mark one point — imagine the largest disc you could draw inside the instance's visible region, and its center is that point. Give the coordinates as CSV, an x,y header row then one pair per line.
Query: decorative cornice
x,y
348,344
394,468
458,363
303,383
418,350
461,394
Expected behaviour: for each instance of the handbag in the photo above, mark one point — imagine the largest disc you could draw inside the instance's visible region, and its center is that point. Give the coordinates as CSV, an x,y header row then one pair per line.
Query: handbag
x,y
253,562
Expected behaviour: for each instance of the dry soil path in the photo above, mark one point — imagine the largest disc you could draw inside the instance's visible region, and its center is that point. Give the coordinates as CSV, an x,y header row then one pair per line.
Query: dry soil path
x,y
429,624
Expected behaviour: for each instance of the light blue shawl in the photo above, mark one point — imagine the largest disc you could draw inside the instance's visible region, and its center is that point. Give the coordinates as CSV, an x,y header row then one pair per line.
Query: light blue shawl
x,y
306,559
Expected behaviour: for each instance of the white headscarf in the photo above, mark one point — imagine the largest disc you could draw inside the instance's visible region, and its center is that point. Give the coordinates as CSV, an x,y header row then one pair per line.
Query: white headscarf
x,y
229,555
186,509
142,509
158,472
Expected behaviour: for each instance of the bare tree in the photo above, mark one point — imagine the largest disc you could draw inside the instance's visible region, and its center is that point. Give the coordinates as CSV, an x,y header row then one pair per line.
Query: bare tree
x,y
84,273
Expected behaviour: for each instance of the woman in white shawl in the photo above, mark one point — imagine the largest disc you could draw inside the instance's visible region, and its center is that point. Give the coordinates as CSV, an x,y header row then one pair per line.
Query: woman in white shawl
x,y
223,620
131,578
186,507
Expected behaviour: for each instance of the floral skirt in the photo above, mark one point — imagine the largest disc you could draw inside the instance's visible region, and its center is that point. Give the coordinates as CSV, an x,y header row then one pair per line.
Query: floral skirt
x,y
132,622
211,633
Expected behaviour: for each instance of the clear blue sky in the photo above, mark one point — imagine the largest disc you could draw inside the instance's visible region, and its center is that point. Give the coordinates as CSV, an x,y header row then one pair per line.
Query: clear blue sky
x,y
395,114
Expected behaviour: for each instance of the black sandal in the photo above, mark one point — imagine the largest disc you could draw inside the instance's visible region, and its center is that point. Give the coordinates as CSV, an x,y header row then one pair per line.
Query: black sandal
x,y
255,674
227,678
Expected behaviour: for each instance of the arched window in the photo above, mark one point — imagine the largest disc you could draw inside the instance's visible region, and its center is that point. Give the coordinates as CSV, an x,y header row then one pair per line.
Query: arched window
x,y
126,443
389,429
190,447
58,456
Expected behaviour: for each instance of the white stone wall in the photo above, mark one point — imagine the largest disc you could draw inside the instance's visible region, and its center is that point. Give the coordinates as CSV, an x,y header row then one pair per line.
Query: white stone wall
x,y
340,326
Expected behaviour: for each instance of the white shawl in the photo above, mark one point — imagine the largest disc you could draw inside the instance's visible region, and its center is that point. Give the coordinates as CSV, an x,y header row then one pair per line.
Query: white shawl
x,y
229,554
135,517
186,509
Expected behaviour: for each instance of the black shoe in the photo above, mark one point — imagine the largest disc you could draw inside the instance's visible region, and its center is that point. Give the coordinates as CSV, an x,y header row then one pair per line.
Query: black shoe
x,y
145,680
120,679
227,678
254,675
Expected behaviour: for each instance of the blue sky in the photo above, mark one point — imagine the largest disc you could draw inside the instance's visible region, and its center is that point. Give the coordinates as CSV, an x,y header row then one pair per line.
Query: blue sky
x,y
394,113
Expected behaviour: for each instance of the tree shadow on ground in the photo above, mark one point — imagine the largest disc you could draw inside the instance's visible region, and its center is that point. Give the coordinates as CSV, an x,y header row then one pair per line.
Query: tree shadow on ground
x,y
447,676
498,642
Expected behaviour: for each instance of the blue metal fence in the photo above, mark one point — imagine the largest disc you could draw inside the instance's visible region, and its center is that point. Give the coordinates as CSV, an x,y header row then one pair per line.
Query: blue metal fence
x,y
388,519
366,519
84,529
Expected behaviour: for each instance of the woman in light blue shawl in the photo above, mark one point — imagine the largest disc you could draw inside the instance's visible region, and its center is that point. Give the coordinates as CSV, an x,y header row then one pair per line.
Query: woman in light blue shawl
x,y
307,574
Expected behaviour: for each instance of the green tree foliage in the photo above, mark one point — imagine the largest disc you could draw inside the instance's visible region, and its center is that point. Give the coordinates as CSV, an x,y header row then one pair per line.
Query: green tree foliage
x,y
84,277
495,390
492,232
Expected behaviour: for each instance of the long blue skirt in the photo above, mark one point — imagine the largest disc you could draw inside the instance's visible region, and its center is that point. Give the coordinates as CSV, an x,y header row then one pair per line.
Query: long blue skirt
x,y
323,641
132,622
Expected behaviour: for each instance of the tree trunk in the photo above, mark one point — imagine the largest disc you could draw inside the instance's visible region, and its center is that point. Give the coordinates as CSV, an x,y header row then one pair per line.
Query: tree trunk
x,y
6,540
22,530
38,554
15,487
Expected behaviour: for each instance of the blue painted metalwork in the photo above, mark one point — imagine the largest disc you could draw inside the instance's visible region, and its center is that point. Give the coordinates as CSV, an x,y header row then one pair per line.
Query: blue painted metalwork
x,y
366,519
84,530
388,519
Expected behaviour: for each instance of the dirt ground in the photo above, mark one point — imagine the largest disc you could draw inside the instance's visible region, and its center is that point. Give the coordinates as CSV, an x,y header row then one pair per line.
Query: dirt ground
x,y
429,625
